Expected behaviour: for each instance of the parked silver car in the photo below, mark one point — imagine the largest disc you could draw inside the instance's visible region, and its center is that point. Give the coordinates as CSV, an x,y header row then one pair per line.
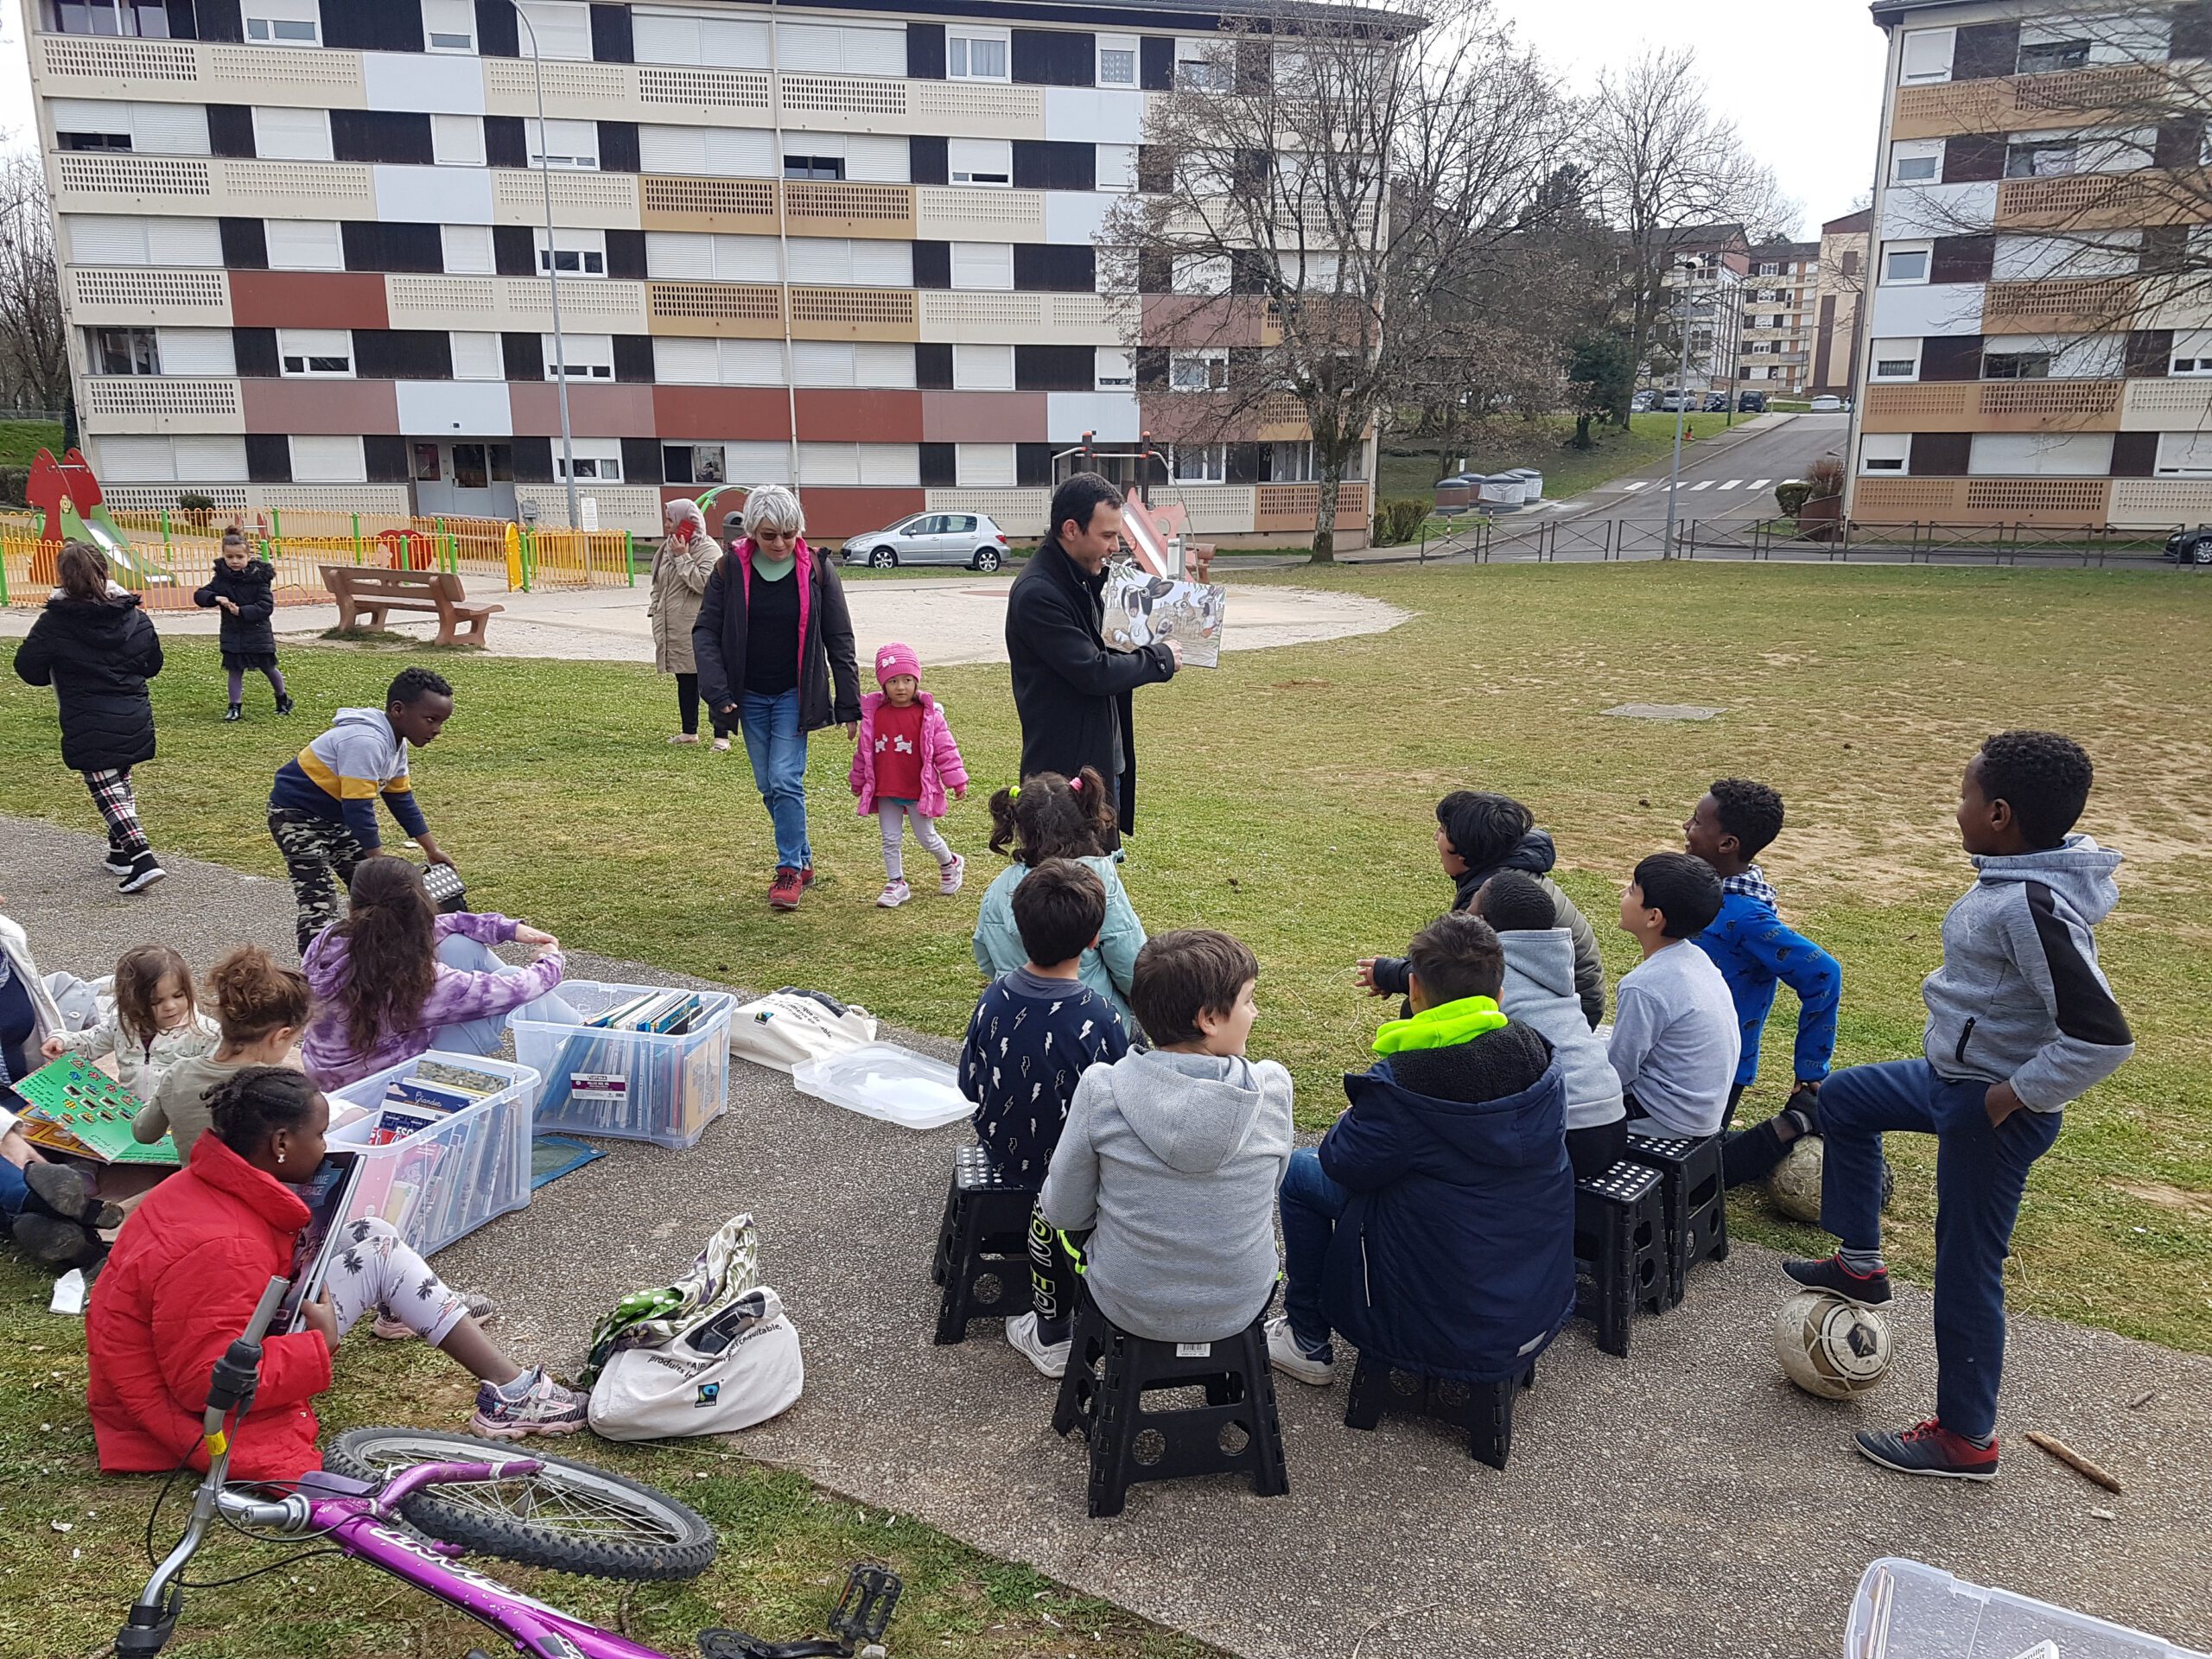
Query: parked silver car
x,y
969,538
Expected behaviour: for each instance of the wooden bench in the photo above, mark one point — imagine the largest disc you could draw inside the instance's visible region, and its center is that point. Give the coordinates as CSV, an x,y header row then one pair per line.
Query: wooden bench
x,y
366,596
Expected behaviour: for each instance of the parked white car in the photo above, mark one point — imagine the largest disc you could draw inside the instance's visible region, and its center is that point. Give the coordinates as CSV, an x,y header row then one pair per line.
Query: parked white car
x,y
969,538
1829,403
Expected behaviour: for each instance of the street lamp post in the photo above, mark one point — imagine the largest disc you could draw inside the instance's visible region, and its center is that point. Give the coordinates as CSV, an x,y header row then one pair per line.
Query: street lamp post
x,y
553,273
1682,402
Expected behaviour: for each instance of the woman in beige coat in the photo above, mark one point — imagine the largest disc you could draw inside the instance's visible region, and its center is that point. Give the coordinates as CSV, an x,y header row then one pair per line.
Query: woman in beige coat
x,y
686,558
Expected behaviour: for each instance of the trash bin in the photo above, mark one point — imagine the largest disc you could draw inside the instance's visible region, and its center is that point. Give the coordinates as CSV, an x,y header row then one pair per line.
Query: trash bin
x,y
1454,494
1503,492
1533,482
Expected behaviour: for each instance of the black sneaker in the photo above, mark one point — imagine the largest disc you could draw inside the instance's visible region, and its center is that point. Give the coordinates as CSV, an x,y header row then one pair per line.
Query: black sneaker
x,y
58,1190
117,863
236,711
145,870
1867,1289
284,705
1929,1448
57,1242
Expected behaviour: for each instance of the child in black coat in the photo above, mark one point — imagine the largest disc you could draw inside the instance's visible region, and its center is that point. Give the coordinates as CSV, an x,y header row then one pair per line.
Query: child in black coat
x,y
242,589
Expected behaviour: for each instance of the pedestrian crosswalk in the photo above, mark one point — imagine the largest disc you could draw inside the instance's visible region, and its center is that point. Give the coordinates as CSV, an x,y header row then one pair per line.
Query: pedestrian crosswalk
x,y
1753,484
1634,484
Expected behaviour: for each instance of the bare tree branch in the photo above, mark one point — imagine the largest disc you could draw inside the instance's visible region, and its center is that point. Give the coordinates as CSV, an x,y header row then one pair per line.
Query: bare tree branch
x,y
34,338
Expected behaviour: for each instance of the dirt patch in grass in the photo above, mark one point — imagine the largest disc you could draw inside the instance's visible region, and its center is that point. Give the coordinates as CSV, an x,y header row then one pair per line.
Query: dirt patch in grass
x,y
2160,1196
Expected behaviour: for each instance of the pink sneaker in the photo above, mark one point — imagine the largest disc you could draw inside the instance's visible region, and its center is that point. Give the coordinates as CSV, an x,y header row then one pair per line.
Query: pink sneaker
x,y
949,876
894,895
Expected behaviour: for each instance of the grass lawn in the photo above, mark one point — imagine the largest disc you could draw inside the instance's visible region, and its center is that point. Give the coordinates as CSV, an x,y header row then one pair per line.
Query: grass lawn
x,y
1547,445
1288,797
20,440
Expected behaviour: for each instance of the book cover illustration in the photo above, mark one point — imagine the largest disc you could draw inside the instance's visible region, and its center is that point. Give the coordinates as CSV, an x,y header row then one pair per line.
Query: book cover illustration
x,y
75,1107
1142,609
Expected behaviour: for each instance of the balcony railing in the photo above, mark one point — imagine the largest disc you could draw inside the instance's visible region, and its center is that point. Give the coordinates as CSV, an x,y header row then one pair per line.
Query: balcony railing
x,y
2063,501
2090,306
1994,406
2103,201
2079,98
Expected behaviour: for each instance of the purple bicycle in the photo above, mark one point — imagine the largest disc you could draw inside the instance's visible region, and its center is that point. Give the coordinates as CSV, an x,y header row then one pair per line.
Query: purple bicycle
x,y
410,1502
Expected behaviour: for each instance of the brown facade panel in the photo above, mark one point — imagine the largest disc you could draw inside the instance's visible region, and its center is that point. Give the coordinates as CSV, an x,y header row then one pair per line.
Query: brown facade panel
x,y
832,415
307,299
735,414
983,416
322,407
833,514
593,411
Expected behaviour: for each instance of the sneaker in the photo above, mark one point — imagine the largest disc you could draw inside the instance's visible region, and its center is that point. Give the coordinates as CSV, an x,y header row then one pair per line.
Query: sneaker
x,y
546,1408
949,876
60,1190
117,861
1929,1448
145,870
1051,1358
683,737
285,705
475,1303
806,875
1867,1289
57,1242
784,891
236,711
722,746
1286,1355
894,895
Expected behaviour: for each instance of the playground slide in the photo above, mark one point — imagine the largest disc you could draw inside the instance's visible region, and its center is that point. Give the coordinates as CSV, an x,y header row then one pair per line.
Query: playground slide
x,y
75,511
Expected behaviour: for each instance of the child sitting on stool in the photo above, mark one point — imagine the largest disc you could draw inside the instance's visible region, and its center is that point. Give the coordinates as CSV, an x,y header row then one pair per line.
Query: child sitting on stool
x,y
1674,1043
1033,1033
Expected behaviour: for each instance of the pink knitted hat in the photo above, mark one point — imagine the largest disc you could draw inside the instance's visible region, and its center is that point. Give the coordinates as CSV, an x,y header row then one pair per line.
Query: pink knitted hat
x,y
894,660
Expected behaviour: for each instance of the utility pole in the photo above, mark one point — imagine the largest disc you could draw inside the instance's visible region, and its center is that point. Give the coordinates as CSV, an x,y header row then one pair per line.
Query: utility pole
x,y
1682,263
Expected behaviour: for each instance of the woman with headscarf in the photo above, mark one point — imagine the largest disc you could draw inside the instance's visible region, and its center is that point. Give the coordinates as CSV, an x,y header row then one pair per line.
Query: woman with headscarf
x,y
682,565
774,643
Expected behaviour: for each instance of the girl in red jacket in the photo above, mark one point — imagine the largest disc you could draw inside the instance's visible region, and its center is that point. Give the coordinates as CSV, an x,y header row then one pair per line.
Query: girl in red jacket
x,y
193,1259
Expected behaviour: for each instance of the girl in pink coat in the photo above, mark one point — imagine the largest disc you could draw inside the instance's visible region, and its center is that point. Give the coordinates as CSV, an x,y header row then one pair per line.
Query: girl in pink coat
x,y
903,766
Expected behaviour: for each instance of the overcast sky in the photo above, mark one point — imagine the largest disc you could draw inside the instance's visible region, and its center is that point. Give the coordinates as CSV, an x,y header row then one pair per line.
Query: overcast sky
x,y
1802,78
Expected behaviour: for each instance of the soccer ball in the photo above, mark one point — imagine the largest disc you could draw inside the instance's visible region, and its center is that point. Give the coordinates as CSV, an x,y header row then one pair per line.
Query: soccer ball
x,y
1794,1185
1831,1347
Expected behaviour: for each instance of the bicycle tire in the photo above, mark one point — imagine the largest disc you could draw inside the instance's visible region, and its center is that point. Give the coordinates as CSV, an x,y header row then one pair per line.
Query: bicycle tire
x,y
588,1521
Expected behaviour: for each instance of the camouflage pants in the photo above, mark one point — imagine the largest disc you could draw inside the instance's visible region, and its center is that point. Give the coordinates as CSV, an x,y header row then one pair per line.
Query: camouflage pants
x,y
319,857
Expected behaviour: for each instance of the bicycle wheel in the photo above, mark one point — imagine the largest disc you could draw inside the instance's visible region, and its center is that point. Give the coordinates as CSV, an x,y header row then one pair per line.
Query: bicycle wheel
x,y
569,1517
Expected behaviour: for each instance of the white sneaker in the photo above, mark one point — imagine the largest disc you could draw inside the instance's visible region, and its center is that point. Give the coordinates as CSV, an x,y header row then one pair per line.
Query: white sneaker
x,y
722,746
685,737
894,895
1051,1358
949,876
1286,1357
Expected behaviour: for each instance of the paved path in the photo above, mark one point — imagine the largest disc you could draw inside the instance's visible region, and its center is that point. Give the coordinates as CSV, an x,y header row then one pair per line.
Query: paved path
x,y
1686,1501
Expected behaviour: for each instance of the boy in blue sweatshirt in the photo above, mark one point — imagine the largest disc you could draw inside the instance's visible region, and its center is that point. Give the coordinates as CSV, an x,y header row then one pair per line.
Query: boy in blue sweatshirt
x,y
1034,1032
1755,950
2020,1021
322,807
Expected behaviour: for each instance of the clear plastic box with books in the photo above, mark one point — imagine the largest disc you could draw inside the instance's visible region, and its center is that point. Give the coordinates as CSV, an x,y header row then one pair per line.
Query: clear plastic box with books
x,y
438,1174
664,1087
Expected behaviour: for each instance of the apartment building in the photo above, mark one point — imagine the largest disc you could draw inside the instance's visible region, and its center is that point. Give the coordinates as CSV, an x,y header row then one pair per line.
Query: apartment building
x,y
1781,292
1845,245
2039,337
305,259
1701,320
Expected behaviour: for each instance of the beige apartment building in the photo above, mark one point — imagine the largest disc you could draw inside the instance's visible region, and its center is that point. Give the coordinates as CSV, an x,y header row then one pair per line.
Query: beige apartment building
x,y
2037,347
1775,351
1838,312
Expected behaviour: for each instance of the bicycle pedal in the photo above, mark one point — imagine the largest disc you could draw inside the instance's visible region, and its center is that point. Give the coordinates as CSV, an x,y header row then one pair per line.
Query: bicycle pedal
x,y
730,1644
864,1609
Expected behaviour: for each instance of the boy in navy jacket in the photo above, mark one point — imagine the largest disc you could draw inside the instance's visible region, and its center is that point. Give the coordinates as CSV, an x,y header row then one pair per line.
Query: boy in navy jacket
x,y
2020,1021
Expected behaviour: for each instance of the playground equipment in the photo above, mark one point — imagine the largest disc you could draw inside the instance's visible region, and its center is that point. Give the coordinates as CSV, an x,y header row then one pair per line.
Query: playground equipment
x,y
70,497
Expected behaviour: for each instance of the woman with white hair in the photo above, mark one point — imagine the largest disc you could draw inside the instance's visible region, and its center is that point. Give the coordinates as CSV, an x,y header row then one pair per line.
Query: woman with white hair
x,y
682,567
774,645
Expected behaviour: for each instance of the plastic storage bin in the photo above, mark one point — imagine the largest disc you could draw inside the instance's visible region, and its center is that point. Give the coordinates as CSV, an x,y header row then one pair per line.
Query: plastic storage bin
x,y
451,1178
1906,1610
629,1085
882,1080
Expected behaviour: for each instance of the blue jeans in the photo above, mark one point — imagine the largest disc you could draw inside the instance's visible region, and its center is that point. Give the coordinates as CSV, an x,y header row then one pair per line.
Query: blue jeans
x,y
776,747
1980,1173
12,1191
1312,1204
482,1036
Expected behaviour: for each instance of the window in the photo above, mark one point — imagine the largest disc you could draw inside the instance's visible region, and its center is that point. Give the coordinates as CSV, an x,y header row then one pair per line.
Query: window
x,y
722,152
2042,158
984,265
1201,67
197,351
126,239
85,123
841,49
576,252
572,145
1117,60
2046,57
457,140
449,25
1198,370
2192,353
1116,370
693,38
426,463
2001,454
696,256
283,22
982,368
1200,274
975,55
984,466
1884,452
693,463
680,362
79,141
122,351
821,363
2016,366
2184,455
141,19
1770,269
814,167
1926,55
560,29
590,357
1906,262
315,353
598,460
833,261
981,160
328,459
284,135
304,244
1201,463
476,356
1918,161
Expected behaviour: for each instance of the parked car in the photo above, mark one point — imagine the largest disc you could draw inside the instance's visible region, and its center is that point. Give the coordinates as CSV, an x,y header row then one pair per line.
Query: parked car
x,y
1641,403
1750,403
1672,401
969,538
1716,402
1829,403
2190,546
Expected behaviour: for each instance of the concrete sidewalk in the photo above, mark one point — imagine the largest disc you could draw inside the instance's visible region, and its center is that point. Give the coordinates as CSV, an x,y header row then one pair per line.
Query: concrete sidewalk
x,y
1685,1501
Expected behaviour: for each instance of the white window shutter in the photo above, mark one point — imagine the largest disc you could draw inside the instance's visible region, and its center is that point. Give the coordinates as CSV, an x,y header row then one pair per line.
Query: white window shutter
x,y
984,466
891,465
745,258
478,356
457,140
982,368
752,363
891,366
328,460
211,460
126,459
106,239
672,150
808,49
891,264
304,244
197,351
821,261
684,362
821,363
878,158
757,462
468,249
169,129
867,51
679,256
184,242
291,135
984,265
563,29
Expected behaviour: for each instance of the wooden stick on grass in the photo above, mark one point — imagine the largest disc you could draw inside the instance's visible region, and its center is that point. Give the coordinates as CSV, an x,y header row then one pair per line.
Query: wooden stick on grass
x,y
2073,1460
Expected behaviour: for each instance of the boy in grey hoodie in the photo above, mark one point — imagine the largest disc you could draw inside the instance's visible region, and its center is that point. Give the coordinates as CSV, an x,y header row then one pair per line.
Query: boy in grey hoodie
x,y
1172,1155
2020,1021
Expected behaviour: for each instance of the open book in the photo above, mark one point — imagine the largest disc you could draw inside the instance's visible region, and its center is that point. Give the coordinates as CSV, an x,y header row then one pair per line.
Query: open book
x,y
1142,609
326,1193
74,1107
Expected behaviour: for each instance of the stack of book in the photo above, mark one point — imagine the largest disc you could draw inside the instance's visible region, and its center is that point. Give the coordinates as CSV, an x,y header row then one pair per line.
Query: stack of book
x,y
669,1013
620,1088
431,1181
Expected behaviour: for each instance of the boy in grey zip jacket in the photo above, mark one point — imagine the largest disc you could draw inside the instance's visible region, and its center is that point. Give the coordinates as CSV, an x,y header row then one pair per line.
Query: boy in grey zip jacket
x,y
2020,1021
1172,1154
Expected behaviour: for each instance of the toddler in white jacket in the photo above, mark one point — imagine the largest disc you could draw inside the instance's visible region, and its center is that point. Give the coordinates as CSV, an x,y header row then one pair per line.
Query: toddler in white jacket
x,y
155,1023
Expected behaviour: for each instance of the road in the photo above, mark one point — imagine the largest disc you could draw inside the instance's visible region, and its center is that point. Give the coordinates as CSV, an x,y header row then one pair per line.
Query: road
x,y
1724,476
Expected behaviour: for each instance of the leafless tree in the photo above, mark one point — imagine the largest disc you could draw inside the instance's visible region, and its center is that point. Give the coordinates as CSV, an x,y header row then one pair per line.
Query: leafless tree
x,y
1326,206
34,339
1664,161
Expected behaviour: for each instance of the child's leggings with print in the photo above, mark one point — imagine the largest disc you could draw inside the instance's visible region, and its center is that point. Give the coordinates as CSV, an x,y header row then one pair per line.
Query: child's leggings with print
x,y
1051,1278
374,1270
892,815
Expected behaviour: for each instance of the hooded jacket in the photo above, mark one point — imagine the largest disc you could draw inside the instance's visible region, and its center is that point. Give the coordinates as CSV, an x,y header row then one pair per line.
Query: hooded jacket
x,y
942,766
1073,695
1107,967
825,642
1454,1256
340,775
252,590
1754,948
1533,855
177,1290
2019,997
1174,1160
1540,992
97,656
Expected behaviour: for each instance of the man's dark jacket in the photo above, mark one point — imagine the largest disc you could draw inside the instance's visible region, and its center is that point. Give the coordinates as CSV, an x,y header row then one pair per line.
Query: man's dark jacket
x,y
1068,688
